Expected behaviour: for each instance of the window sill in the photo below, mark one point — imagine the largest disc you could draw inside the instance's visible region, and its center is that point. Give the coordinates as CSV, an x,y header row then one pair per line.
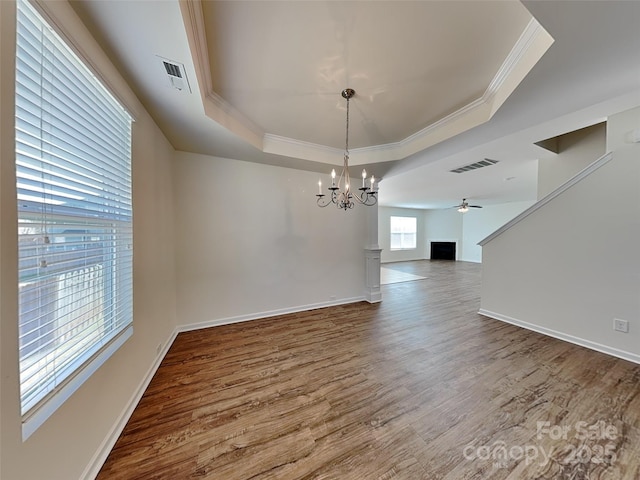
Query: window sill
x,y
31,421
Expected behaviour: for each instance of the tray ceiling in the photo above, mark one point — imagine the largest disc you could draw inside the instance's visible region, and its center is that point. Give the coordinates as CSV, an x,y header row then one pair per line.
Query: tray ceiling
x,y
266,84
272,72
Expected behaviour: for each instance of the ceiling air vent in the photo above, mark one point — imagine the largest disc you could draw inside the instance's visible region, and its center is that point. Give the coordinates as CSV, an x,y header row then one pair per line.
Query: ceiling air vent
x,y
175,75
487,162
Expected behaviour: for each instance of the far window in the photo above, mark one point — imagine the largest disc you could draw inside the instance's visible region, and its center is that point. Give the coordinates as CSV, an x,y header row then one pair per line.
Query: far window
x,y
403,233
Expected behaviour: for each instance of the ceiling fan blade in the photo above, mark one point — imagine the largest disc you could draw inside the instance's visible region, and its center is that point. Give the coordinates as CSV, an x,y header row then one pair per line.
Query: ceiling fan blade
x,y
464,204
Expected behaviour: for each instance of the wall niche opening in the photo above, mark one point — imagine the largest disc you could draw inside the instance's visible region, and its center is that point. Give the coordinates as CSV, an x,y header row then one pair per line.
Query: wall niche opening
x,y
443,250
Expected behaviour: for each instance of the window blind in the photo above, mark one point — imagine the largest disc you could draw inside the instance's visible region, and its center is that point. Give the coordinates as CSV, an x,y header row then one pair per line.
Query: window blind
x,y
73,169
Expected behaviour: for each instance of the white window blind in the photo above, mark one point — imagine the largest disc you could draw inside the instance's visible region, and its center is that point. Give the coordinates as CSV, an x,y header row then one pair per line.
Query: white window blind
x,y
73,167
403,233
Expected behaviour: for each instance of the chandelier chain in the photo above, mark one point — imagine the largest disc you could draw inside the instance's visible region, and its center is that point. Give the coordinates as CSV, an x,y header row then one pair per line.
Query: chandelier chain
x,y
346,142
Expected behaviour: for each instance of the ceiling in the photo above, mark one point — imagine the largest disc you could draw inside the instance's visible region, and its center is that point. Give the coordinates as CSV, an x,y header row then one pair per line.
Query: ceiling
x,y
439,84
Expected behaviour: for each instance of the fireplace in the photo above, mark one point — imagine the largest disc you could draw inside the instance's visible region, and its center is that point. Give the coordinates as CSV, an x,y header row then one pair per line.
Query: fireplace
x,y
443,250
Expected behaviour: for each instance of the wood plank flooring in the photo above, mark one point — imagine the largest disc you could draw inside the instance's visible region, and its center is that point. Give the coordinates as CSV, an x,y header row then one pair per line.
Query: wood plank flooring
x,y
417,387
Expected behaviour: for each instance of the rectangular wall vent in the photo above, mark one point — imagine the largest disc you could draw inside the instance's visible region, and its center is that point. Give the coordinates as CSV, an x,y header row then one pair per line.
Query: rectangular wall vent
x,y
175,75
172,69
474,166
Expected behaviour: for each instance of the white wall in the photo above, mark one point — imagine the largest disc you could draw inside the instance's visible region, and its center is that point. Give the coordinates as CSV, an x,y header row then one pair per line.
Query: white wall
x,y
478,223
620,126
576,150
573,265
72,439
252,241
384,234
449,225
442,226
446,225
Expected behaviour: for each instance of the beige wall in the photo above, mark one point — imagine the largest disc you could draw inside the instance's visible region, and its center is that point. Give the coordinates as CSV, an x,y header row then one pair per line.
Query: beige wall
x,y
251,241
195,219
71,440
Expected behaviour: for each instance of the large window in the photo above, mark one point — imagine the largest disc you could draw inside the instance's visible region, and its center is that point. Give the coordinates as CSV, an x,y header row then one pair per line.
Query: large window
x,y
73,167
403,233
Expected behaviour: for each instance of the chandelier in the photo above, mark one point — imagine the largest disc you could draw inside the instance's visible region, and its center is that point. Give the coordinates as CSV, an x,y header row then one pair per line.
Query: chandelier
x,y
341,194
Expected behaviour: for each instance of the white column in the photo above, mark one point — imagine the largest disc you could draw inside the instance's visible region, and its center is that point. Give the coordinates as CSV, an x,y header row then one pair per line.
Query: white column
x,y
372,257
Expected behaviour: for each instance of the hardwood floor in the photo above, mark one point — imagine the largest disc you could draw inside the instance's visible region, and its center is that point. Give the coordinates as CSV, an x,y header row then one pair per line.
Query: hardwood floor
x,y
417,387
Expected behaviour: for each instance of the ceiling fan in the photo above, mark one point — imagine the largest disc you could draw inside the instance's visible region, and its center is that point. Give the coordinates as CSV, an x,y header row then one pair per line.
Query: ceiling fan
x,y
464,206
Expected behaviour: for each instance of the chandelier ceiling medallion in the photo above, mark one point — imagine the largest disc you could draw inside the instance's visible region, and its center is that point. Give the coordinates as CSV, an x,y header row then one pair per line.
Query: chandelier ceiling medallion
x,y
341,194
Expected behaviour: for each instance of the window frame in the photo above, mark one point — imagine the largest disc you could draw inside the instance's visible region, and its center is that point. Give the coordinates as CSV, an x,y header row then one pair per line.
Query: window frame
x,y
96,353
403,233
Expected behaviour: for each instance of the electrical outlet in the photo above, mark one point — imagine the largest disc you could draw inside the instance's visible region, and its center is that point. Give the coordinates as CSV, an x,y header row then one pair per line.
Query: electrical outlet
x,y
621,325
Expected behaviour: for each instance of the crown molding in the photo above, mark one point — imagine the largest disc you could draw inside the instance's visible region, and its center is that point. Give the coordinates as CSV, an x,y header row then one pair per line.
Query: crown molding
x,y
215,106
290,147
194,24
527,39
531,45
527,51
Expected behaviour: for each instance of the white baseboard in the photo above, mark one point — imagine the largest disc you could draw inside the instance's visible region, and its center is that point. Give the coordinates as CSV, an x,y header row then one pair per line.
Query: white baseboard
x,y
98,459
632,357
270,313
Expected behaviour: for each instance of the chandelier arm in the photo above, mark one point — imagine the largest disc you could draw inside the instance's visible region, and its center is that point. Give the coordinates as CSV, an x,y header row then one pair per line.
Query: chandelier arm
x,y
332,198
345,171
322,202
365,197
343,177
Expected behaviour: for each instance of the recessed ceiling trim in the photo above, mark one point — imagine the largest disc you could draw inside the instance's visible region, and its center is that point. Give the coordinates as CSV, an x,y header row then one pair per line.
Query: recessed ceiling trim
x,y
531,45
526,41
290,147
527,51
215,107
194,25
226,115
